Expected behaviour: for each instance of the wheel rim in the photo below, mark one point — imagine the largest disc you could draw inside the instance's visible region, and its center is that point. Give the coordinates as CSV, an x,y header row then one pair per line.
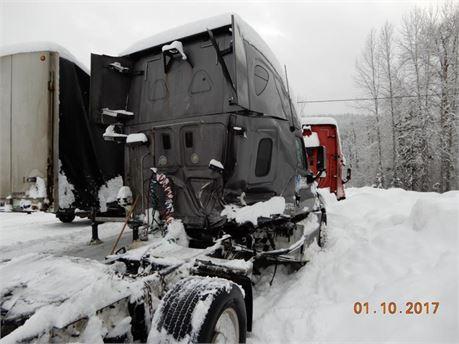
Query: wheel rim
x,y
227,327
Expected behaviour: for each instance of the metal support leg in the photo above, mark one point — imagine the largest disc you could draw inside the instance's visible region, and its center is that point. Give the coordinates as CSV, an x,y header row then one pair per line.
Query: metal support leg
x,y
135,233
95,231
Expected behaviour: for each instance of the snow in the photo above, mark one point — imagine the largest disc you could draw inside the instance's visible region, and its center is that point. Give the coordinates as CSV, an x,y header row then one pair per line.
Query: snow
x,y
114,113
41,232
179,33
251,213
124,195
190,29
318,120
66,196
209,288
93,331
176,233
109,191
239,265
110,132
311,140
216,164
383,246
212,288
121,328
118,66
315,120
175,45
200,312
7,207
59,291
30,47
37,189
137,137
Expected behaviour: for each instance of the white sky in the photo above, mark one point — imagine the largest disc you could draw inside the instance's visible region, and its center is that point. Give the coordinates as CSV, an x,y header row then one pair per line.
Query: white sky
x,y
319,41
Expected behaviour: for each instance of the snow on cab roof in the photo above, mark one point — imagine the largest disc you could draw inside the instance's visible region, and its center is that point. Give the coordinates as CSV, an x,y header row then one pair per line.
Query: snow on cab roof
x,y
179,32
33,47
318,120
193,28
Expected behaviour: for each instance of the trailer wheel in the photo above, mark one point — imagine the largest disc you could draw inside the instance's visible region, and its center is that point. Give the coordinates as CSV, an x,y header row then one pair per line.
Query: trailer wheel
x,y
203,310
65,217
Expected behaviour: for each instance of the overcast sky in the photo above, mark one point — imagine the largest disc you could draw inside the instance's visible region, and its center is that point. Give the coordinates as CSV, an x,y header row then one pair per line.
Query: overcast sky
x,y
319,41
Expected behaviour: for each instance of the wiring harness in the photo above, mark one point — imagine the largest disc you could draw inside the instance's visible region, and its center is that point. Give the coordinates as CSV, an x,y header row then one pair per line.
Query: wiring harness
x,y
162,197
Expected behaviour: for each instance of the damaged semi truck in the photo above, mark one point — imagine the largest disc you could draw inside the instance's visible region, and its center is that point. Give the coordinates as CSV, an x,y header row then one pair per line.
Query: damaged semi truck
x,y
215,147
52,157
215,170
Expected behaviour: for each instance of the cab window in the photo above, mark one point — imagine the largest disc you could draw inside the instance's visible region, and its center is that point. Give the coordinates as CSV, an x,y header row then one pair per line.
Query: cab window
x,y
264,154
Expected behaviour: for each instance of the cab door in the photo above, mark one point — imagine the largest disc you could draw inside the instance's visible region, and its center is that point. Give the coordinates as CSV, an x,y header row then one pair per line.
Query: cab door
x,y
327,137
110,84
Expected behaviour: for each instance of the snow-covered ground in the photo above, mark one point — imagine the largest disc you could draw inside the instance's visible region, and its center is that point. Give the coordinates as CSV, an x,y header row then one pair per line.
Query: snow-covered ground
x,y
39,232
383,246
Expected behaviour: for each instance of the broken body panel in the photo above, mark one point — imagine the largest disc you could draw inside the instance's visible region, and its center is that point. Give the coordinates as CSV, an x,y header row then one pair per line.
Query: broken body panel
x,y
210,114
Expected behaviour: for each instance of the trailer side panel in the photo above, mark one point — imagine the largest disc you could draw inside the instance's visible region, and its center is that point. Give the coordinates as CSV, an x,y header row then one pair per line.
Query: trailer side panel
x,y
5,126
29,111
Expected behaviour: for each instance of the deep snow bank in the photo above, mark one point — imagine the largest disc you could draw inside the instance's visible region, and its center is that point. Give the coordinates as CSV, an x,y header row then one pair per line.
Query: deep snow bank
x,y
383,246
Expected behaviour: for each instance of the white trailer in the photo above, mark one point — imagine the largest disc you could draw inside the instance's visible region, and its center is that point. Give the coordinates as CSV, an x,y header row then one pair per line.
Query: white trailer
x,y
28,130
52,157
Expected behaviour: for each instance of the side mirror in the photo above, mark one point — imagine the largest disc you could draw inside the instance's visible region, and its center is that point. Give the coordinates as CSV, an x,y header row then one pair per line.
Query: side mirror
x,y
348,176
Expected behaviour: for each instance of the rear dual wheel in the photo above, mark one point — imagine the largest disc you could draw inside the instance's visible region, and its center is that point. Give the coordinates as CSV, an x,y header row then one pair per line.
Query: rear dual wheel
x,y
201,310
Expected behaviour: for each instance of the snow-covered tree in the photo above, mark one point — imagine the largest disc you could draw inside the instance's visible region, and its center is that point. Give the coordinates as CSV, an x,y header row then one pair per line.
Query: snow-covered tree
x,y
410,75
446,36
368,78
389,91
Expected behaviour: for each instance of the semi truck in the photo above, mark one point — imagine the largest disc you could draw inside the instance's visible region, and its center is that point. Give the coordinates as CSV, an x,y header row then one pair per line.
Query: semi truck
x,y
53,157
213,145
325,156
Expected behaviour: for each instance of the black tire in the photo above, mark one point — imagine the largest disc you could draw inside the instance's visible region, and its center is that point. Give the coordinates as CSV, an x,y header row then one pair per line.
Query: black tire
x,y
175,312
65,217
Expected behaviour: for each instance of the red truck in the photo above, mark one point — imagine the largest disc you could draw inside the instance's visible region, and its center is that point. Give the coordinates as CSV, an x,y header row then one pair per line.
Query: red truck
x,y
325,157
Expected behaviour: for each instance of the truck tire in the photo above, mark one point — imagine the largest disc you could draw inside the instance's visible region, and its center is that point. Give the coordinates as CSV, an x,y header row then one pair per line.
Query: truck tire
x,y
202,310
65,217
